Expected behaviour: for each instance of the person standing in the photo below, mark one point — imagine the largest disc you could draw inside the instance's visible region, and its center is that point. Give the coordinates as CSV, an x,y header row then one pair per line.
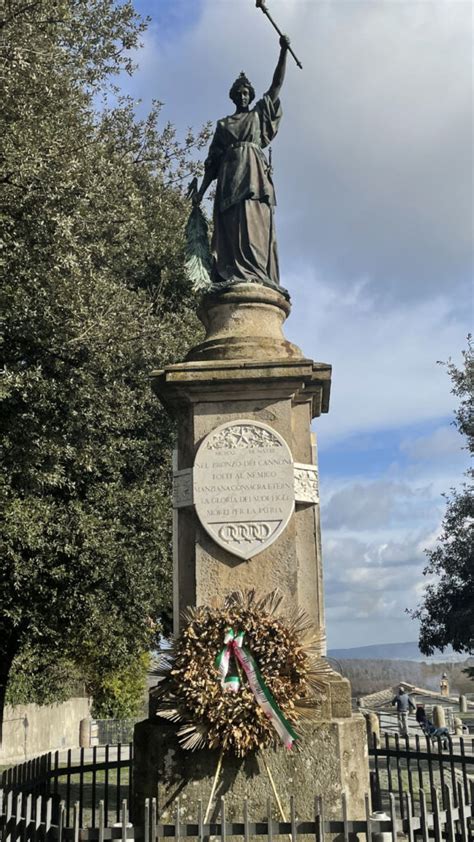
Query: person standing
x,y
404,704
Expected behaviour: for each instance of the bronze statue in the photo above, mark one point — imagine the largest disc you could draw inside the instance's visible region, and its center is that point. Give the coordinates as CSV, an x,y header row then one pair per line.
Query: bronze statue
x,y
244,245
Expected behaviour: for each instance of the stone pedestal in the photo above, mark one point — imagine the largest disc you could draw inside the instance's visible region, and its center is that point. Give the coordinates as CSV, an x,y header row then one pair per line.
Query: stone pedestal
x,y
245,323
333,760
238,374
247,375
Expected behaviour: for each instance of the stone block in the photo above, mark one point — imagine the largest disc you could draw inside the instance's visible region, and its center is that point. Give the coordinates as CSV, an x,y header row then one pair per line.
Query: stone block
x,y
332,759
340,694
439,718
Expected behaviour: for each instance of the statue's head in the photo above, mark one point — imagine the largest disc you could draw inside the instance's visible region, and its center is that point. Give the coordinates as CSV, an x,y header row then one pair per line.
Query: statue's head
x,y
242,89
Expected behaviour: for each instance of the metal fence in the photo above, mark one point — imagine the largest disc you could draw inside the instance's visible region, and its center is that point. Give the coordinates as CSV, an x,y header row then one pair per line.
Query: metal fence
x,y
403,765
29,821
84,777
112,731
89,786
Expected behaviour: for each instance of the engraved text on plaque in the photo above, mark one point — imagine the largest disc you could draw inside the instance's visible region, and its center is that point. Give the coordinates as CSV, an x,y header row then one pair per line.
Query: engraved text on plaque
x,y
243,484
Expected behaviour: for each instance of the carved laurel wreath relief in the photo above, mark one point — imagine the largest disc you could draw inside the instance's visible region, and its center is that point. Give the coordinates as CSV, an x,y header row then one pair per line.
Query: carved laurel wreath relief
x,y
242,435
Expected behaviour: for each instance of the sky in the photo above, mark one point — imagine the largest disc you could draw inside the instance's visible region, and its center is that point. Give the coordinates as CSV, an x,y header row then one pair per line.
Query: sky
x,y
373,173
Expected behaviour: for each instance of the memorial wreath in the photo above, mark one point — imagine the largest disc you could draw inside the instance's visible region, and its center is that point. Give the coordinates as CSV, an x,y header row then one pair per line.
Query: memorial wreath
x,y
240,676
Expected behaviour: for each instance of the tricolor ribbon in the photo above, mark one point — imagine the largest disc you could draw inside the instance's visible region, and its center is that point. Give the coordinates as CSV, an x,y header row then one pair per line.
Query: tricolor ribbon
x,y
233,646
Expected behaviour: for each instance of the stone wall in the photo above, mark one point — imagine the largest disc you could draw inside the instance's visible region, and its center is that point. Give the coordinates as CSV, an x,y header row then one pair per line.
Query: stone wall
x,y
29,730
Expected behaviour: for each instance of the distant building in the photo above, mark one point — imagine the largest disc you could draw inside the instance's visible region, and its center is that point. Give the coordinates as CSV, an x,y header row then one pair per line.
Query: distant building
x,y
444,685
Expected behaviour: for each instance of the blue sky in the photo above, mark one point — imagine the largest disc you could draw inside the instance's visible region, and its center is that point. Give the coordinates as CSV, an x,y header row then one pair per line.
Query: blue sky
x,y
372,167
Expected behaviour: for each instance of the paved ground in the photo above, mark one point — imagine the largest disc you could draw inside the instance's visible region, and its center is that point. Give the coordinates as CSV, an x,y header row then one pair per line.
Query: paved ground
x,y
100,756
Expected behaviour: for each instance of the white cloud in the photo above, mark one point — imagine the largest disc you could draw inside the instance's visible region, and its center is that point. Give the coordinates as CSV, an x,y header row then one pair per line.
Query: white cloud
x,y
444,443
384,361
373,569
375,532
343,551
369,585
374,505
384,145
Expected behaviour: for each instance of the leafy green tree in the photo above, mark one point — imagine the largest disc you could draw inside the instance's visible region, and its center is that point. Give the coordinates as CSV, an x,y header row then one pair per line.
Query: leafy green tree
x,y
446,613
95,296
44,678
121,694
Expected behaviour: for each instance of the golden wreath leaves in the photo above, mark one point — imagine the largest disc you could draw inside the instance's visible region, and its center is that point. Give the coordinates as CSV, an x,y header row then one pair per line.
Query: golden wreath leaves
x,y
286,649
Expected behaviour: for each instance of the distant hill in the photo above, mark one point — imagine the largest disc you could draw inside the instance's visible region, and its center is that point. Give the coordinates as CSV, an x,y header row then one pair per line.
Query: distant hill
x,y
396,652
368,675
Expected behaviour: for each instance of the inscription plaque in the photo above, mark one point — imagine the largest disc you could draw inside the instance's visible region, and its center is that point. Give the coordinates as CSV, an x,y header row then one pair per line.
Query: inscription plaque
x,y
243,486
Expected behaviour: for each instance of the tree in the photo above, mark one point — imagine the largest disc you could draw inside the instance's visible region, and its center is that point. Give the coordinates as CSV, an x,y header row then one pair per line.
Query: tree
x,y
95,296
122,694
446,613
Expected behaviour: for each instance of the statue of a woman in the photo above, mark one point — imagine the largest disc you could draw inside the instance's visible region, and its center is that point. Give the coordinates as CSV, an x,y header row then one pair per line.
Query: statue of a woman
x,y
244,245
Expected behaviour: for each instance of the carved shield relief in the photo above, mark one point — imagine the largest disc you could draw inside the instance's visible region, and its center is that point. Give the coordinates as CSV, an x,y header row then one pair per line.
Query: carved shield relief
x,y
243,482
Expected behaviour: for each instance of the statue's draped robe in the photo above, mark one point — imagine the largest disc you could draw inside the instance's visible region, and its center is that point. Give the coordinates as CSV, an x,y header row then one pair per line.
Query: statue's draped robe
x,y
244,244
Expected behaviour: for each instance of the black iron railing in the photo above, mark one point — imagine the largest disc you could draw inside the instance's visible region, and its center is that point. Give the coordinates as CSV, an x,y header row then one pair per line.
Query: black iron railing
x,y
406,765
83,776
29,821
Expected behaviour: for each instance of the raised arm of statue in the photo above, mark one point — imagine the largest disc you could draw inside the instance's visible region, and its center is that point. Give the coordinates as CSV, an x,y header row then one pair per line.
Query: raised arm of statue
x,y
279,74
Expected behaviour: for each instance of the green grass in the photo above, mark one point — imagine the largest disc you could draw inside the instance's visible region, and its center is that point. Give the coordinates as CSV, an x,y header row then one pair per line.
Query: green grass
x,y
402,780
113,792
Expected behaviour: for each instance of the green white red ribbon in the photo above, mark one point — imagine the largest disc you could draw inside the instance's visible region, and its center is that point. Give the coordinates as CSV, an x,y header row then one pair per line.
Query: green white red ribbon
x,y
233,646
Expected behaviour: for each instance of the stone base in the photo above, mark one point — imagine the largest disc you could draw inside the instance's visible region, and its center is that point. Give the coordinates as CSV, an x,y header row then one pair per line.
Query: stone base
x,y
333,759
244,323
